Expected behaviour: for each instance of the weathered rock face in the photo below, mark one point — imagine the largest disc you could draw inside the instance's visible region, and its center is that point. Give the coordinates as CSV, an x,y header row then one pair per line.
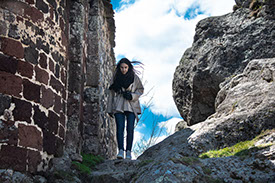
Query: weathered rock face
x,y
245,107
222,47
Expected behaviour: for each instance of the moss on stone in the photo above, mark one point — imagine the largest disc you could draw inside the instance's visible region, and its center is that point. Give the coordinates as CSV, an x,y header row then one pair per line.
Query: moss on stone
x,y
88,163
240,149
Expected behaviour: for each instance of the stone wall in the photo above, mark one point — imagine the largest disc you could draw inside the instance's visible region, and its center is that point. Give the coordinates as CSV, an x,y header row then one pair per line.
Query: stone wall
x,y
99,129
56,58
33,71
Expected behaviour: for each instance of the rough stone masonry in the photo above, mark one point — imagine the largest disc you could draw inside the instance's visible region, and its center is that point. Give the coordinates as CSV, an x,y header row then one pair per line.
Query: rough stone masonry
x,y
56,58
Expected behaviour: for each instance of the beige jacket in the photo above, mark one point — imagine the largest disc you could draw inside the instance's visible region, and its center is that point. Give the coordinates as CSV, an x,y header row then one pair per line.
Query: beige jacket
x,y
116,102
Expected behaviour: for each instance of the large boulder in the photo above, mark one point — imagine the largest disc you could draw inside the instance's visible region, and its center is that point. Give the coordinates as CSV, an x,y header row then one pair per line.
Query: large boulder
x,y
222,48
245,107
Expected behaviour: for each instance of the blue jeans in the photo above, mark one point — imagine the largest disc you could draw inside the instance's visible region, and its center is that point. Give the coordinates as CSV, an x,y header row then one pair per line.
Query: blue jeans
x,y
120,123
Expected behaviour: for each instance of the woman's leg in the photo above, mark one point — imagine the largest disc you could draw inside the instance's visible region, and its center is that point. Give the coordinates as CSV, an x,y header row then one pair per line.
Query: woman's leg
x,y
120,125
130,129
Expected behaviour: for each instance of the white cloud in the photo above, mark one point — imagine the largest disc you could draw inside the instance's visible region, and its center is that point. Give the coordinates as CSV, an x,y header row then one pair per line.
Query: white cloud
x,y
170,125
137,136
157,34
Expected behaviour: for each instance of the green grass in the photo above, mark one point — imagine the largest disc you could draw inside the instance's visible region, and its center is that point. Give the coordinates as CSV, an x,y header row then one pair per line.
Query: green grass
x,y
240,149
89,161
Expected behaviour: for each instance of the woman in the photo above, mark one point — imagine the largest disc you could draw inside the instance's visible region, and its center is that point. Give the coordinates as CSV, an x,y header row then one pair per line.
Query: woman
x,y
124,102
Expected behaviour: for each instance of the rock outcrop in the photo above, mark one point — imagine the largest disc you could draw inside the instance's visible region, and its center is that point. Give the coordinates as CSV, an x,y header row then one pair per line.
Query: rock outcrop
x,y
222,48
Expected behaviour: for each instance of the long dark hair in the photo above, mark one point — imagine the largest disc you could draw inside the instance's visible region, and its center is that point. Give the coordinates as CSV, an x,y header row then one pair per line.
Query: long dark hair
x,y
124,80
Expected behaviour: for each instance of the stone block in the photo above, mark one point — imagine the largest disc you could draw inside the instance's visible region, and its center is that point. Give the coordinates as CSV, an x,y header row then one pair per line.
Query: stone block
x,y
26,39
10,84
43,61
49,142
55,84
92,75
31,54
64,39
51,13
41,44
25,69
8,15
64,106
3,30
34,159
11,47
64,92
12,157
19,19
8,133
61,24
51,65
40,118
41,75
53,122
14,32
47,99
62,119
59,147
63,75
57,70
34,14
29,136
75,78
22,110
57,103
5,102
41,5
14,6
57,57
31,91
30,1
61,132
8,64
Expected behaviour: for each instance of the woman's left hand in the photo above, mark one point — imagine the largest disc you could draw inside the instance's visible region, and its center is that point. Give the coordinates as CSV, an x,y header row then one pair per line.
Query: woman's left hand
x,y
127,95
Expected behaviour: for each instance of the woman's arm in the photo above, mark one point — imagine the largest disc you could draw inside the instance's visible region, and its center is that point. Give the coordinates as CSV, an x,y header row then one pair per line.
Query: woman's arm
x,y
138,91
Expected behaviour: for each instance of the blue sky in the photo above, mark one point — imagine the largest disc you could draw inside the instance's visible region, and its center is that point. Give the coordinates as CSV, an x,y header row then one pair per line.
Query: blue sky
x,y
157,34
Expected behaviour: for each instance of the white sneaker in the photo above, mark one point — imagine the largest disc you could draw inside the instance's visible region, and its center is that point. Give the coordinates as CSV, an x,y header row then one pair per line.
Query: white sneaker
x,y
128,155
120,154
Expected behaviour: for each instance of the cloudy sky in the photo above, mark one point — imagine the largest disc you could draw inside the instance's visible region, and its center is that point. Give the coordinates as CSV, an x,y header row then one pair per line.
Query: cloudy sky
x,y
157,32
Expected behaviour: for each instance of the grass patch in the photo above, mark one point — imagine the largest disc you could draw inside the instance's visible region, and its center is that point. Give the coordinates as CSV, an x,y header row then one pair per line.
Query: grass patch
x,y
89,161
240,149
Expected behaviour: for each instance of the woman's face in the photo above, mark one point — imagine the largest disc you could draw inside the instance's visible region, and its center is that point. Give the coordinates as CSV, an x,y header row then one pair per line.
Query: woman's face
x,y
124,68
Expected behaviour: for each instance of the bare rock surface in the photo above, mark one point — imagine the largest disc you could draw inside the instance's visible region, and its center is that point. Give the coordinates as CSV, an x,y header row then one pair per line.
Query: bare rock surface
x,y
222,48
